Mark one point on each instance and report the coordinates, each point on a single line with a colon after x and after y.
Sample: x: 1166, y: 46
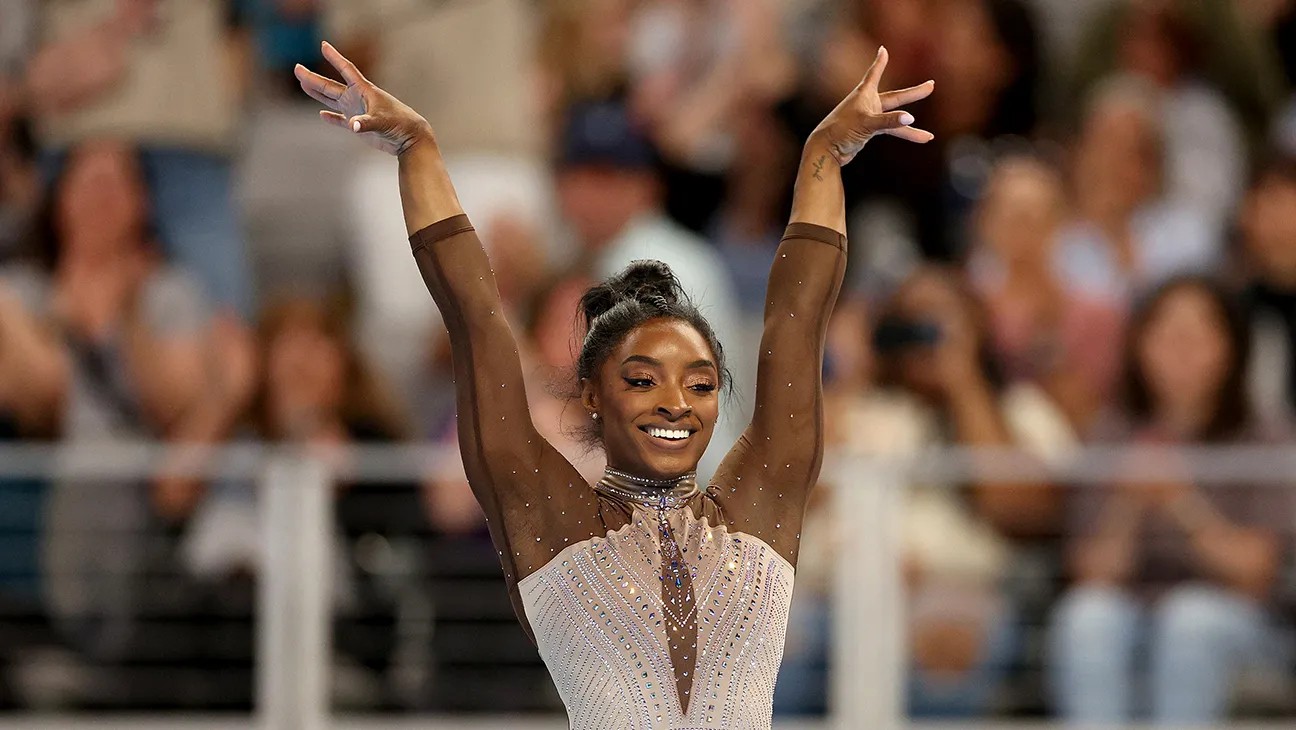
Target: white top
x: 597, y: 612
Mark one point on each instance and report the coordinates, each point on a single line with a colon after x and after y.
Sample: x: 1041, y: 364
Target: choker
x: 655, y: 493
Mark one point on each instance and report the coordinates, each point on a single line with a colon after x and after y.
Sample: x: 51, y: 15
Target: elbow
x: 1258, y: 567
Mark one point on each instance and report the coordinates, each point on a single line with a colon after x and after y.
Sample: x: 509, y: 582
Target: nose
x: 675, y: 406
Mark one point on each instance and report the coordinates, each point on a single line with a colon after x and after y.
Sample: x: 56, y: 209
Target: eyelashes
x: 648, y: 383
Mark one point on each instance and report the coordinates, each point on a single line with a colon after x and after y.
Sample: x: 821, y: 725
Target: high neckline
x: 655, y: 493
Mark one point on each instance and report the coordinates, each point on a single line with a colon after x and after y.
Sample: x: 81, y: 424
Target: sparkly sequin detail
x: 603, y: 623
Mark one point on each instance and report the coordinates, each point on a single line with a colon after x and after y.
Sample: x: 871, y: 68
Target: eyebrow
x: 704, y: 363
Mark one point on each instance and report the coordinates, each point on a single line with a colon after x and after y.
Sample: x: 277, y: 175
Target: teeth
x: 666, y: 433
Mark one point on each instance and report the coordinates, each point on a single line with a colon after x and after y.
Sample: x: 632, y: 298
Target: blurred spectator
x: 749, y: 226
x: 283, y: 33
x: 1043, y: 332
x: 1181, y: 573
x: 939, y: 386
x: 988, y: 67
x: 484, y: 114
x: 1127, y: 233
x: 156, y: 73
x: 610, y: 197
x: 584, y: 54
x: 1268, y: 229
x: 115, y: 345
x: 1205, y: 146
x: 316, y: 391
x: 697, y: 63
x: 1194, y: 45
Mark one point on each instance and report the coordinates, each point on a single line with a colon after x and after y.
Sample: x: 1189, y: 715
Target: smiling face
x: 657, y: 397
x: 1184, y: 351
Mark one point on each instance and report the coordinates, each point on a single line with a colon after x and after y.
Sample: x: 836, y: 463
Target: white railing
x: 868, y: 661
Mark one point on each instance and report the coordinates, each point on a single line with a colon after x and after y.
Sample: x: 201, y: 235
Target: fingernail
x: 355, y: 126
x: 906, y: 119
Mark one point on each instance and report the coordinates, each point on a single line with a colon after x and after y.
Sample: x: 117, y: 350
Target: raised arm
x: 783, y: 446
x: 504, y: 456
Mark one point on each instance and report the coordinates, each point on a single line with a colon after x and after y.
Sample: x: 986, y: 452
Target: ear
x: 589, y: 395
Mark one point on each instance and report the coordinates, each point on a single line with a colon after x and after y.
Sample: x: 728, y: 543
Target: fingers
x: 337, y: 120
x: 873, y: 76
x: 900, y: 97
x: 910, y: 134
x: 344, y: 66
x: 321, y: 89
x: 362, y: 123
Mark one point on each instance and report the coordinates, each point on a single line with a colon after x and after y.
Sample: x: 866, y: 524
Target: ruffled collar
x: 653, y: 493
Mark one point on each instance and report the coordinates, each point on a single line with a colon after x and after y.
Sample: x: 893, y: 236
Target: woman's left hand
x: 866, y: 112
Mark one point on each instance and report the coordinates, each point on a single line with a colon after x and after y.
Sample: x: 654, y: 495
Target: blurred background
x: 1098, y: 251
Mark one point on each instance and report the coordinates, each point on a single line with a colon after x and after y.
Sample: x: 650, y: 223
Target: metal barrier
x: 293, y: 606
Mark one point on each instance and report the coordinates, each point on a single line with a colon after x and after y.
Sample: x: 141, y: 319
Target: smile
x: 667, y: 434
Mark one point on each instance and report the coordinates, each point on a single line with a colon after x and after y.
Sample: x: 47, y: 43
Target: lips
x: 668, y: 438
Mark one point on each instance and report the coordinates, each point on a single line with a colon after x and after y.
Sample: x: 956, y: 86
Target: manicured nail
x: 880, y: 50
x: 355, y: 126
x: 906, y: 119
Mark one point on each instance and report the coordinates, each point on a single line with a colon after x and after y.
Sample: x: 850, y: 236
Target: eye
x: 639, y: 382
x: 703, y: 387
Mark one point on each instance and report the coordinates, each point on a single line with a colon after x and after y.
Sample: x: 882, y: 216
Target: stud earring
x: 594, y: 416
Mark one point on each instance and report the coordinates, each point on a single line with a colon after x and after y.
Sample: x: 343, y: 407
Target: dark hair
x: 1233, y: 406
x: 368, y: 411
x: 44, y: 246
x: 1278, y: 166
x: 643, y: 291
x: 1015, y: 28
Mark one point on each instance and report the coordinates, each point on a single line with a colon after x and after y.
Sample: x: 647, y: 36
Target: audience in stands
x: 1176, y: 581
x: 1085, y: 153
x: 1063, y: 340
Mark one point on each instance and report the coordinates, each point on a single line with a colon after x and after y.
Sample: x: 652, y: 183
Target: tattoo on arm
x: 818, y: 167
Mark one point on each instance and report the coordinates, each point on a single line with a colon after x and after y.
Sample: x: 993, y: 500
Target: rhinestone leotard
x: 613, y: 617
x: 654, y: 606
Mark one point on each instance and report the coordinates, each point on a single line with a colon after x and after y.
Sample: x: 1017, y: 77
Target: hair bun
x: 646, y: 281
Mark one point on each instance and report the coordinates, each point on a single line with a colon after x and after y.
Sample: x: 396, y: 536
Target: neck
x: 1184, y: 420
x: 652, y: 492
x: 660, y: 482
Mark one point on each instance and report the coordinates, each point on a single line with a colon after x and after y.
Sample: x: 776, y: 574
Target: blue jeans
x: 194, y: 217
x: 970, y: 693
x: 802, y: 687
x: 1195, y: 639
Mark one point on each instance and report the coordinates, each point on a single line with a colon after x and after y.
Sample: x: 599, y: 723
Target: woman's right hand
x: 379, y: 118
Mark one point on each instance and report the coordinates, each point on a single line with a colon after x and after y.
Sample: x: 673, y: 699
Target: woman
x: 1185, y: 574
x: 114, y: 344
x: 612, y: 581
x: 1062, y: 340
x: 939, y: 386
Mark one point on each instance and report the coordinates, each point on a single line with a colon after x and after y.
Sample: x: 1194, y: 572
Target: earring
x: 594, y: 416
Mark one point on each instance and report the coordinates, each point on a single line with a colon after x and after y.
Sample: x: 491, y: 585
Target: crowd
x: 1098, y: 248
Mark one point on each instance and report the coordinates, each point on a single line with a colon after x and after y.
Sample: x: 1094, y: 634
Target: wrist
x: 818, y: 144
x: 422, y: 143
